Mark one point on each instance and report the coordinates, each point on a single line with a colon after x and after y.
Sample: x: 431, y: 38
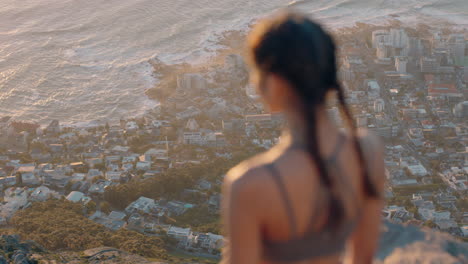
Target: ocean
x: 87, y: 60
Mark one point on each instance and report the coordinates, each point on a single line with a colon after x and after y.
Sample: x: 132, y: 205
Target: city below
x: 157, y: 178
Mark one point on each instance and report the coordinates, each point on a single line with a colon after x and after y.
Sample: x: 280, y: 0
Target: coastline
x: 233, y: 42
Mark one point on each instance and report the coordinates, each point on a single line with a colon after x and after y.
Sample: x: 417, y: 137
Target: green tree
x: 91, y: 207
x: 105, y: 207
x: 430, y: 224
x: 19, y: 179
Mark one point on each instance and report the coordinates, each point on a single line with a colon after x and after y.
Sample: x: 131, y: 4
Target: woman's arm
x: 241, y: 219
x: 365, y: 239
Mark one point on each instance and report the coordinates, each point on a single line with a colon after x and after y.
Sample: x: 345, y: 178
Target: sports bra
x: 313, y: 244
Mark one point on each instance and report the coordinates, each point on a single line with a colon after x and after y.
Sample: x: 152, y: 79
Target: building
x: 400, y: 63
x: 179, y: 233
x: 192, y: 125
x: 354, y: 64
x: 143, y: 165
x: 43, y: 193
x: 383, y: 54
x: 76, y: 197
x: 114, y: 176
x: 415, y: 47
x: 373, y: 88
x: 189, y: 112
x: 195, y: 137
x: 251, y: 92
x: 443, y: 90
x: 53, y: 127
x: 457, y: 47
x: 398, y: 38
x: 461, y: 110
x: 234, y: 125
x: 143, y: 204
x: 397, y: 80
x: 381, y: 36
x: 379, y: 105
x: 191, y: 82
x: 428, y: 65
x: 262, y: 120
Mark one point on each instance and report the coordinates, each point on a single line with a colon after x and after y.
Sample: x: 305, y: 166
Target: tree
x: 430, y: 224
x: 100, y: 166
x: 19, y: 179
x: 105, y: 207
x: 91, y: 207
x: 61, y: 225
x: 68, y: 187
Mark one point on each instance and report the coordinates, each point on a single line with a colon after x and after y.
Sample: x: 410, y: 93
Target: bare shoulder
x: 248, y: 172
x: 247, y: 178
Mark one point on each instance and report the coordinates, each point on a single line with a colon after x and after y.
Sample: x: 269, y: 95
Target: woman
x: 317, y: 194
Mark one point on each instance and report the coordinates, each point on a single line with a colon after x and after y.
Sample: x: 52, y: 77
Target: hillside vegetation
x: 61, y: 225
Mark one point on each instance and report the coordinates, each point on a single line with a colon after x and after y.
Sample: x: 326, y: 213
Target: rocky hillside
x: 14, y: 251
x: 399, y: 244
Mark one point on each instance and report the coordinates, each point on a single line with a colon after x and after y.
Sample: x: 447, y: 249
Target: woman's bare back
x: 302, y: 187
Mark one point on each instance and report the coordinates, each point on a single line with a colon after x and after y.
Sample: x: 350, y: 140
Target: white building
x: 43, y: 193
x: 178, y: 232
x: 379, y: 105
x: 143, y: 204
x: 191, y: 82
x: 114, y: 175
x: 193, y: 138
x: 380, y: 37
x: 464, y: 230
x: 441, y: 215
x: 160, y: 123
x: 143, y: 165
x: 190, y: 112
x: 399, y: 38
x: 400, y: 63
x: 76, y: 197
x: 457, y: 46
x: 157, y: 153
x: 93, y: 173
x: 131, y: 126
x: 428, y: 65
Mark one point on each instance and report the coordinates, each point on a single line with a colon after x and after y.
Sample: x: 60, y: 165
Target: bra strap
x: 284, y: 194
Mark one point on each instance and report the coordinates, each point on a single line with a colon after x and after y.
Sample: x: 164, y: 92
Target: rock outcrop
x: 412, y: 244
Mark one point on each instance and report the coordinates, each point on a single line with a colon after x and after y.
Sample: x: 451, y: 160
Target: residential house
x: 426, y: 210
x: 178, y: 208
x: 179, y: 233
x: 142, y: 204
x: 114, y: 176
x: 55, y: 178
x: 143, y: 165
x: 77, y: 177
x: 93, y: 173
x: 204, y: 185
x: 43, y: 193
x: 76, y: 197
x: 99, y: 186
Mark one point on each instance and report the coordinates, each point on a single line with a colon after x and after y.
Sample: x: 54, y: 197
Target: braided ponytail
x: 369, y: 189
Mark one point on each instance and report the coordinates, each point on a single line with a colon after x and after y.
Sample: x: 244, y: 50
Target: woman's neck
x: 296, y: 131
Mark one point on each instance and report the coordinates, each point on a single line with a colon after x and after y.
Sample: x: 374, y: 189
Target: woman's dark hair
x: 300, y: 51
